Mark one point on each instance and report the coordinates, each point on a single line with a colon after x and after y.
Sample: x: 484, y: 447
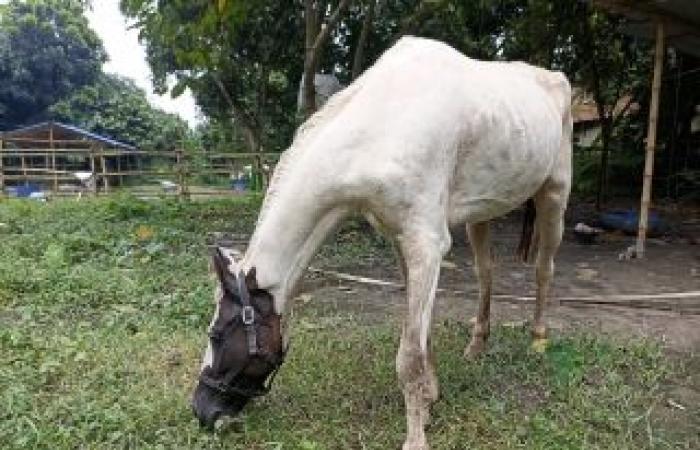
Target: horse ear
x: 251, y: 281
x: 220, y: 265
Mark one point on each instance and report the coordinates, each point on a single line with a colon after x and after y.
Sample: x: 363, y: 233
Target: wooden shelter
x: 53, y: 155
x: 668, y: 22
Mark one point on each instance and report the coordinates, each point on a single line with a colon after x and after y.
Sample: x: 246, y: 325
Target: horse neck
x: 287, y: 236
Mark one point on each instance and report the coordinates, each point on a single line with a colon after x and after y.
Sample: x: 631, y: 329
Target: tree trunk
x: 316, y: 38
x: 250, y: 136
x: 251, y: 131
x: 358, y: 60
x: 605, y: 132
x: 605, y: 135
x: 308, y: 87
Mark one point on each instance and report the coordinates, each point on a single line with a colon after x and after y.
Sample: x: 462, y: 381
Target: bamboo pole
x: 93, y: 177
x: 41, y: 176
x: 185, y: 173
x: 178, y: 171
x: 651, y: 140
x: 181, y: 173
x: 119, y: 170
x: 53, y: 160
x: 105, y: 179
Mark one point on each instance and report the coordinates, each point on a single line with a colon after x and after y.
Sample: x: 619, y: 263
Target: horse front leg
x: 414, y: 362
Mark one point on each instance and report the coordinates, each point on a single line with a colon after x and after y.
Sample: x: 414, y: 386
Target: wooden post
x: 651, y: 140
x: 119, y: 169
x: 178, y: 171
x: 257, y: 173
x: 93, y: 169
x: 265, y: 175
x: 103, y: 161
x: 181, y: 173
x: 53, y: 160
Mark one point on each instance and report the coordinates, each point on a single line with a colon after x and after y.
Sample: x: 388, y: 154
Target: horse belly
x: 494, y: 181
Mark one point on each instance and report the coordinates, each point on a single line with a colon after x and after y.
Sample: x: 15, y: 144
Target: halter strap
x: 247, y: 315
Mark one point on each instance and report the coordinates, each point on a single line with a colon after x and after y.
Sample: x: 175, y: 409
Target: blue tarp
x: 23, y: 191
x: 627, y: 220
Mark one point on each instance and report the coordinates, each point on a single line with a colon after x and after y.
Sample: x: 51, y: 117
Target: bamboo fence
x: 54, y: 165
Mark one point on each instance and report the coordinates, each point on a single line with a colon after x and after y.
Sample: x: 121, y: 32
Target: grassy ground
x: 103, y: 307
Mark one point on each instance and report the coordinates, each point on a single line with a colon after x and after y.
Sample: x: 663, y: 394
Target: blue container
x: 23, y: 191
x: 239, y: 185
x: 627, y: 220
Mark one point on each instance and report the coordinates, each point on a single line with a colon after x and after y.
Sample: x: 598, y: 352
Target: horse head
x: 245, y: 345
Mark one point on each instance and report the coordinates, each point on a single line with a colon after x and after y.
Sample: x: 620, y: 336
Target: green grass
x: 103, y: 307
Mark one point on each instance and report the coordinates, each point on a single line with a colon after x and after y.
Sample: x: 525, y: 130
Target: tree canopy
x: 51, y: 69
x: 244, y: 59
x: 47, y: 50
x: 240, y: 59
x: 114, y: 106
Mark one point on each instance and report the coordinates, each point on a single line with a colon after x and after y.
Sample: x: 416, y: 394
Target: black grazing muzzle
x: 247, y: 350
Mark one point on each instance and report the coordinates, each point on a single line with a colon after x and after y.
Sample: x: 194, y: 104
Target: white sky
x: 127, y: 57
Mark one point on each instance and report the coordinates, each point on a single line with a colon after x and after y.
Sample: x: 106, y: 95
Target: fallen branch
x: 659, y: 302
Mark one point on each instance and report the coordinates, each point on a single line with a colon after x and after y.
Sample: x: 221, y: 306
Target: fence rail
x: 74, y: 169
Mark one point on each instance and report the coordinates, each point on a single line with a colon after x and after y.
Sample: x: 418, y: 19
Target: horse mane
x: 332, y: 107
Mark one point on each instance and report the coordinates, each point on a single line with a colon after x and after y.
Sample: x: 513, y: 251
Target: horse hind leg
x: 550, y: 203
x: 479, y: 240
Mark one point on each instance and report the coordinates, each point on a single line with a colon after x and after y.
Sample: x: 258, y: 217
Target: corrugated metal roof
x: 70, y: 129
x: 681, y: 17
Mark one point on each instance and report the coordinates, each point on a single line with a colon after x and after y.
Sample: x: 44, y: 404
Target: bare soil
x: 670, y: 266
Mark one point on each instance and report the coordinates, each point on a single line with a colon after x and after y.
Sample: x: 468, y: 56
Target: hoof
x: 539, y: 345
x: 475, y: 348
x: 415, y: 445
x: 539, y: 332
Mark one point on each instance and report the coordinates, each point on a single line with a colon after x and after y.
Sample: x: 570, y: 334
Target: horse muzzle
x: 209, y: 405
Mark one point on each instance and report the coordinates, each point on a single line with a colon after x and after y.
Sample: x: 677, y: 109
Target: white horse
x: 425, y: 139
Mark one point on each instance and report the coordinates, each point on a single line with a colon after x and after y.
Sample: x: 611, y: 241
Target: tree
x: 218, y: 137
x: 317, y: 33
x: 359, y: 54
x: 47, y: 51
x: 238, y: 57
x: 477, y: 29
x: 116, y: 107
x: 242, y: 58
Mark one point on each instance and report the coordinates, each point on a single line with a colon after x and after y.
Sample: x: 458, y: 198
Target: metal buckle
x: 248, y: 315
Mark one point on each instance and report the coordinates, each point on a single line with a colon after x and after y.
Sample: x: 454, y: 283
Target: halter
x: 229, y: 385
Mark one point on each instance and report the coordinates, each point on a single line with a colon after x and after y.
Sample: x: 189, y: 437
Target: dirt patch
x: 582, y: 271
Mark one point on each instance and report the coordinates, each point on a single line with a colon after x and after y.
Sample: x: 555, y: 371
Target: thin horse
x: 423, y: 140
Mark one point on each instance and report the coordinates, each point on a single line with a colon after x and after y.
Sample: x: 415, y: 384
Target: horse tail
x: 523, y: 250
